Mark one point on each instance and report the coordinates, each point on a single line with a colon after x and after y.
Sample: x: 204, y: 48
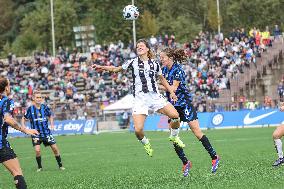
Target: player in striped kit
x: 145, y: 71
x: 7, y: 156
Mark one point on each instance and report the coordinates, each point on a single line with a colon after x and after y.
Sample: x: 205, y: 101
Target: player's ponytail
x: 178, y: 55
x: 3, y: 84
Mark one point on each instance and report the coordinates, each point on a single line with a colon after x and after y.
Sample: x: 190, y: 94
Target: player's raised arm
x: 107, y: 68
x: 13, y: 123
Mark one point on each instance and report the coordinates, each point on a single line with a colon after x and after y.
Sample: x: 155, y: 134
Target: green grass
x: 117, y: 160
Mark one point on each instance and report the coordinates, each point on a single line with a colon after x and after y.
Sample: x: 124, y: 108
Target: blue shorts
x: 47, y: 141
x: 7, y: 153
x: 187, y: 113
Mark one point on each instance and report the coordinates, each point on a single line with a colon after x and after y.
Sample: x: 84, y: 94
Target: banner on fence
x: 245, y: 118
x: 65, y: 127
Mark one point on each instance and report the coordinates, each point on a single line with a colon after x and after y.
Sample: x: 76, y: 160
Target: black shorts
x: 47, y: 141
x: 187, y: 113
x: 6, y: 154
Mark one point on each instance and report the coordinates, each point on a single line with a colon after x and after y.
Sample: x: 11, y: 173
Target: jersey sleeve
x: 159, y: 69
x: 47, y: 111
x: 178, y: 74
x: 8, y: 107
x: 28, y: 114
x: 127, y: 64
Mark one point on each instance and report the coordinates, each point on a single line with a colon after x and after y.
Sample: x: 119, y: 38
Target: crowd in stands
x: 69, y: 78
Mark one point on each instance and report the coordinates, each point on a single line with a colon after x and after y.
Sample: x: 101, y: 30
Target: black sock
x: 20, y: 182
x: 58, y: 159
x: 38, y: 160
x: 180, y: 153
x: 208, y: 147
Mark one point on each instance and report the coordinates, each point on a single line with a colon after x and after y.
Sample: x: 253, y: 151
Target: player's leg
x: 195, y: 128
x: 186, y: 162
x: 56, y: 152
x: 36, y: 143
x: 190, y: 115
x: 170, y: 111
x: 277, y: 135
x: 138, y: 120
x: 174, y: 123
x: 13, y: 166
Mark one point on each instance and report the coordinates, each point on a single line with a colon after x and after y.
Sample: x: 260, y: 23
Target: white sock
x: 144, y: 140
x: 278, y: 146
x: 174, y: 132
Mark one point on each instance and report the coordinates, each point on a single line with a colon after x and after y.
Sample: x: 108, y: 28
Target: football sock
x: 58, y: 159
x: 208, y: 147
x: 174, y: 132
x: 180, y: 153
x: 278, y: 147
x: 20, y: 182
x: 38, y: 160
x: 144, y: 140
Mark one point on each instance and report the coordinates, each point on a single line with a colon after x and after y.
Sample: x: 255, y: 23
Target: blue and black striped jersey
x: 39, y: 119
x: 177, y: 73
x: 6, y: 106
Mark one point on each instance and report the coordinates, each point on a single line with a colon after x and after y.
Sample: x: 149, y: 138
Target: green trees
x: 25, y: 24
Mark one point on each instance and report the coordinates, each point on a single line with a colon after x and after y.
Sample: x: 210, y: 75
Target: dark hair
x: 150, y: 52
x: 178, y: 55
x: 3, y: 84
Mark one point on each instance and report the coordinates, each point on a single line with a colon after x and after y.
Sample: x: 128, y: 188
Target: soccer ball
x: 130, y: 12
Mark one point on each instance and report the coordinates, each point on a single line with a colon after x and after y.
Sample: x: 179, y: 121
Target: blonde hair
x: 36, y: 92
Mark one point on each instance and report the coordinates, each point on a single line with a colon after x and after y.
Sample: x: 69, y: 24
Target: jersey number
x: 186, y: 112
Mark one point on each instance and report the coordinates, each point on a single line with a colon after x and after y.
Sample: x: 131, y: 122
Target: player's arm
x: 107, y: 68
x: 23, y: 121
x: 165, y: 83
x: 51, y: 120
x: 13, y: 123
x: 161, y: 87
x: 175, y: 85
x: 282, y: 106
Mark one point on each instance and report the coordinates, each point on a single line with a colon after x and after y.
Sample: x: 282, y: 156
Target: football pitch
x: 118, y: 160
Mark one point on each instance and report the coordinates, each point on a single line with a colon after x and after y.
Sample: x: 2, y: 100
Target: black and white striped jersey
x: 144, y: 74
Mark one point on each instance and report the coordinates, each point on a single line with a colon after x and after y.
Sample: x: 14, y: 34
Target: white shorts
x: 145, y: 101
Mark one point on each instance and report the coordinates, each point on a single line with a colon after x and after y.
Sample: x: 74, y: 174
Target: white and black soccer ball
x: 130, y: 12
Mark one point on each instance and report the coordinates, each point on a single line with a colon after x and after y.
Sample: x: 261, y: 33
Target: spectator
x: 276, y: 32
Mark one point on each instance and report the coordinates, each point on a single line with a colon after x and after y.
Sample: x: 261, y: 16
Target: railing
x: 238, y: 82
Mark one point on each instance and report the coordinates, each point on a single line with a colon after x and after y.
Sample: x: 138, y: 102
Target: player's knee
x: 20, y: 182
x: 37, y: 152
x: 175, y: 120
x: 276, y: 135
x: 174, y: 115
x: 138, y: 129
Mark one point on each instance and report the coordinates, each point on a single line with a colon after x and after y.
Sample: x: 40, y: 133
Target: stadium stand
x: 218, y: 69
